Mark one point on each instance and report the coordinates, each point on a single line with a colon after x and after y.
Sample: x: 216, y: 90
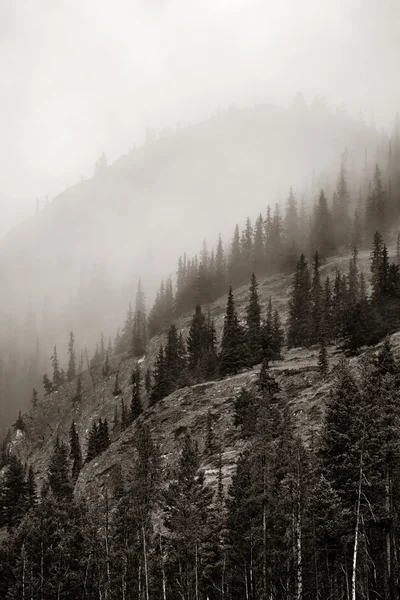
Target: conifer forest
x: 219, y: 424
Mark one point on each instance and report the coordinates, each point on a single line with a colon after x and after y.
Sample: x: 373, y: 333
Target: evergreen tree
x: 300, y: 306
x: 187, y: 504
x: 236, y: 265
x: 174, y: 360
x: 117, y: 390
x: 233, y: 346
x: 220, y: 269
x: 136, y: 408
x: 258, y: 248
x: 139, y: 340
x: 316, y: 302
x: 103, y: 436
x: 19, y: 424
x: 71, y: 373
x: 125, y: 339
x: 15, y: 492
x: 321, y: 234
x: 75, y: 452
x: 58, y: 472
x: 47, y: 384
x: 291, y: 220
x: 197, y: 345
x: 253, y: 320
x: 57, y: 378
x: 92, y: 443
x: 34, y: 398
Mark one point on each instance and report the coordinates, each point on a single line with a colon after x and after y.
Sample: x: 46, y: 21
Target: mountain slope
x: 297, y: 374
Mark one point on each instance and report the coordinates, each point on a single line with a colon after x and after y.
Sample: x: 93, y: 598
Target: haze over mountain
x: 138, y: 214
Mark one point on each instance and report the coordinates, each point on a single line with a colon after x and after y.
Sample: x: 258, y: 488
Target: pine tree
x: 139, y: 339
x: 34, y: 398
x: 197, y: 345
x: 19, y: 424
x: 125, y: 339
x: 316, y: 300
x: 291, y: 220
x: 220, y: 269
x: 92, y: 449
x: 103, y: 436
x: 300, y: 306
x: 71, y: 373
x: 236, y: 265
x: 58, y: 472
x: 253, y: 320
x: 117, y: 390
x: 233, y: 346
x: 57, y: 379
x: 174, y: 360
x: 15, y: 492
x: 75, y: 452
x: 258, y: 248
x: 136, y: 408
x: 321, y: 234
x: 47, y: 384
x: 187, y: 504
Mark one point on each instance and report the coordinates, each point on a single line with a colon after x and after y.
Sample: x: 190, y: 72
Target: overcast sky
x: 79, y: 77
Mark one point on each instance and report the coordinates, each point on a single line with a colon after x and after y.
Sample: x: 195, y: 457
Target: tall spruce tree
x: 139, y: 327
x: 300, y: 306
x: 233, y: 355
x: 71, y: 373
x: 253, y: 321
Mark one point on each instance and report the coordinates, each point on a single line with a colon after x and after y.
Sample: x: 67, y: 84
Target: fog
x: 196, y: 108
x: 82, y: 78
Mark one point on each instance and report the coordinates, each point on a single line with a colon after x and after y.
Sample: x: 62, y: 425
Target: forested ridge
x: 306, y: 514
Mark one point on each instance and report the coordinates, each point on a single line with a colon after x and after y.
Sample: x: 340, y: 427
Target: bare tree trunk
x: 299, y: 552
x: 146, y: 575
x: 124, y: 572
x: 197, y: 574
x: 356, y: 534
x: 164, y: 585
x: 388, y: 575
x: 23, y: 571
x: 246, y: 583
x: 41, y: 570
x: 264, y: 528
